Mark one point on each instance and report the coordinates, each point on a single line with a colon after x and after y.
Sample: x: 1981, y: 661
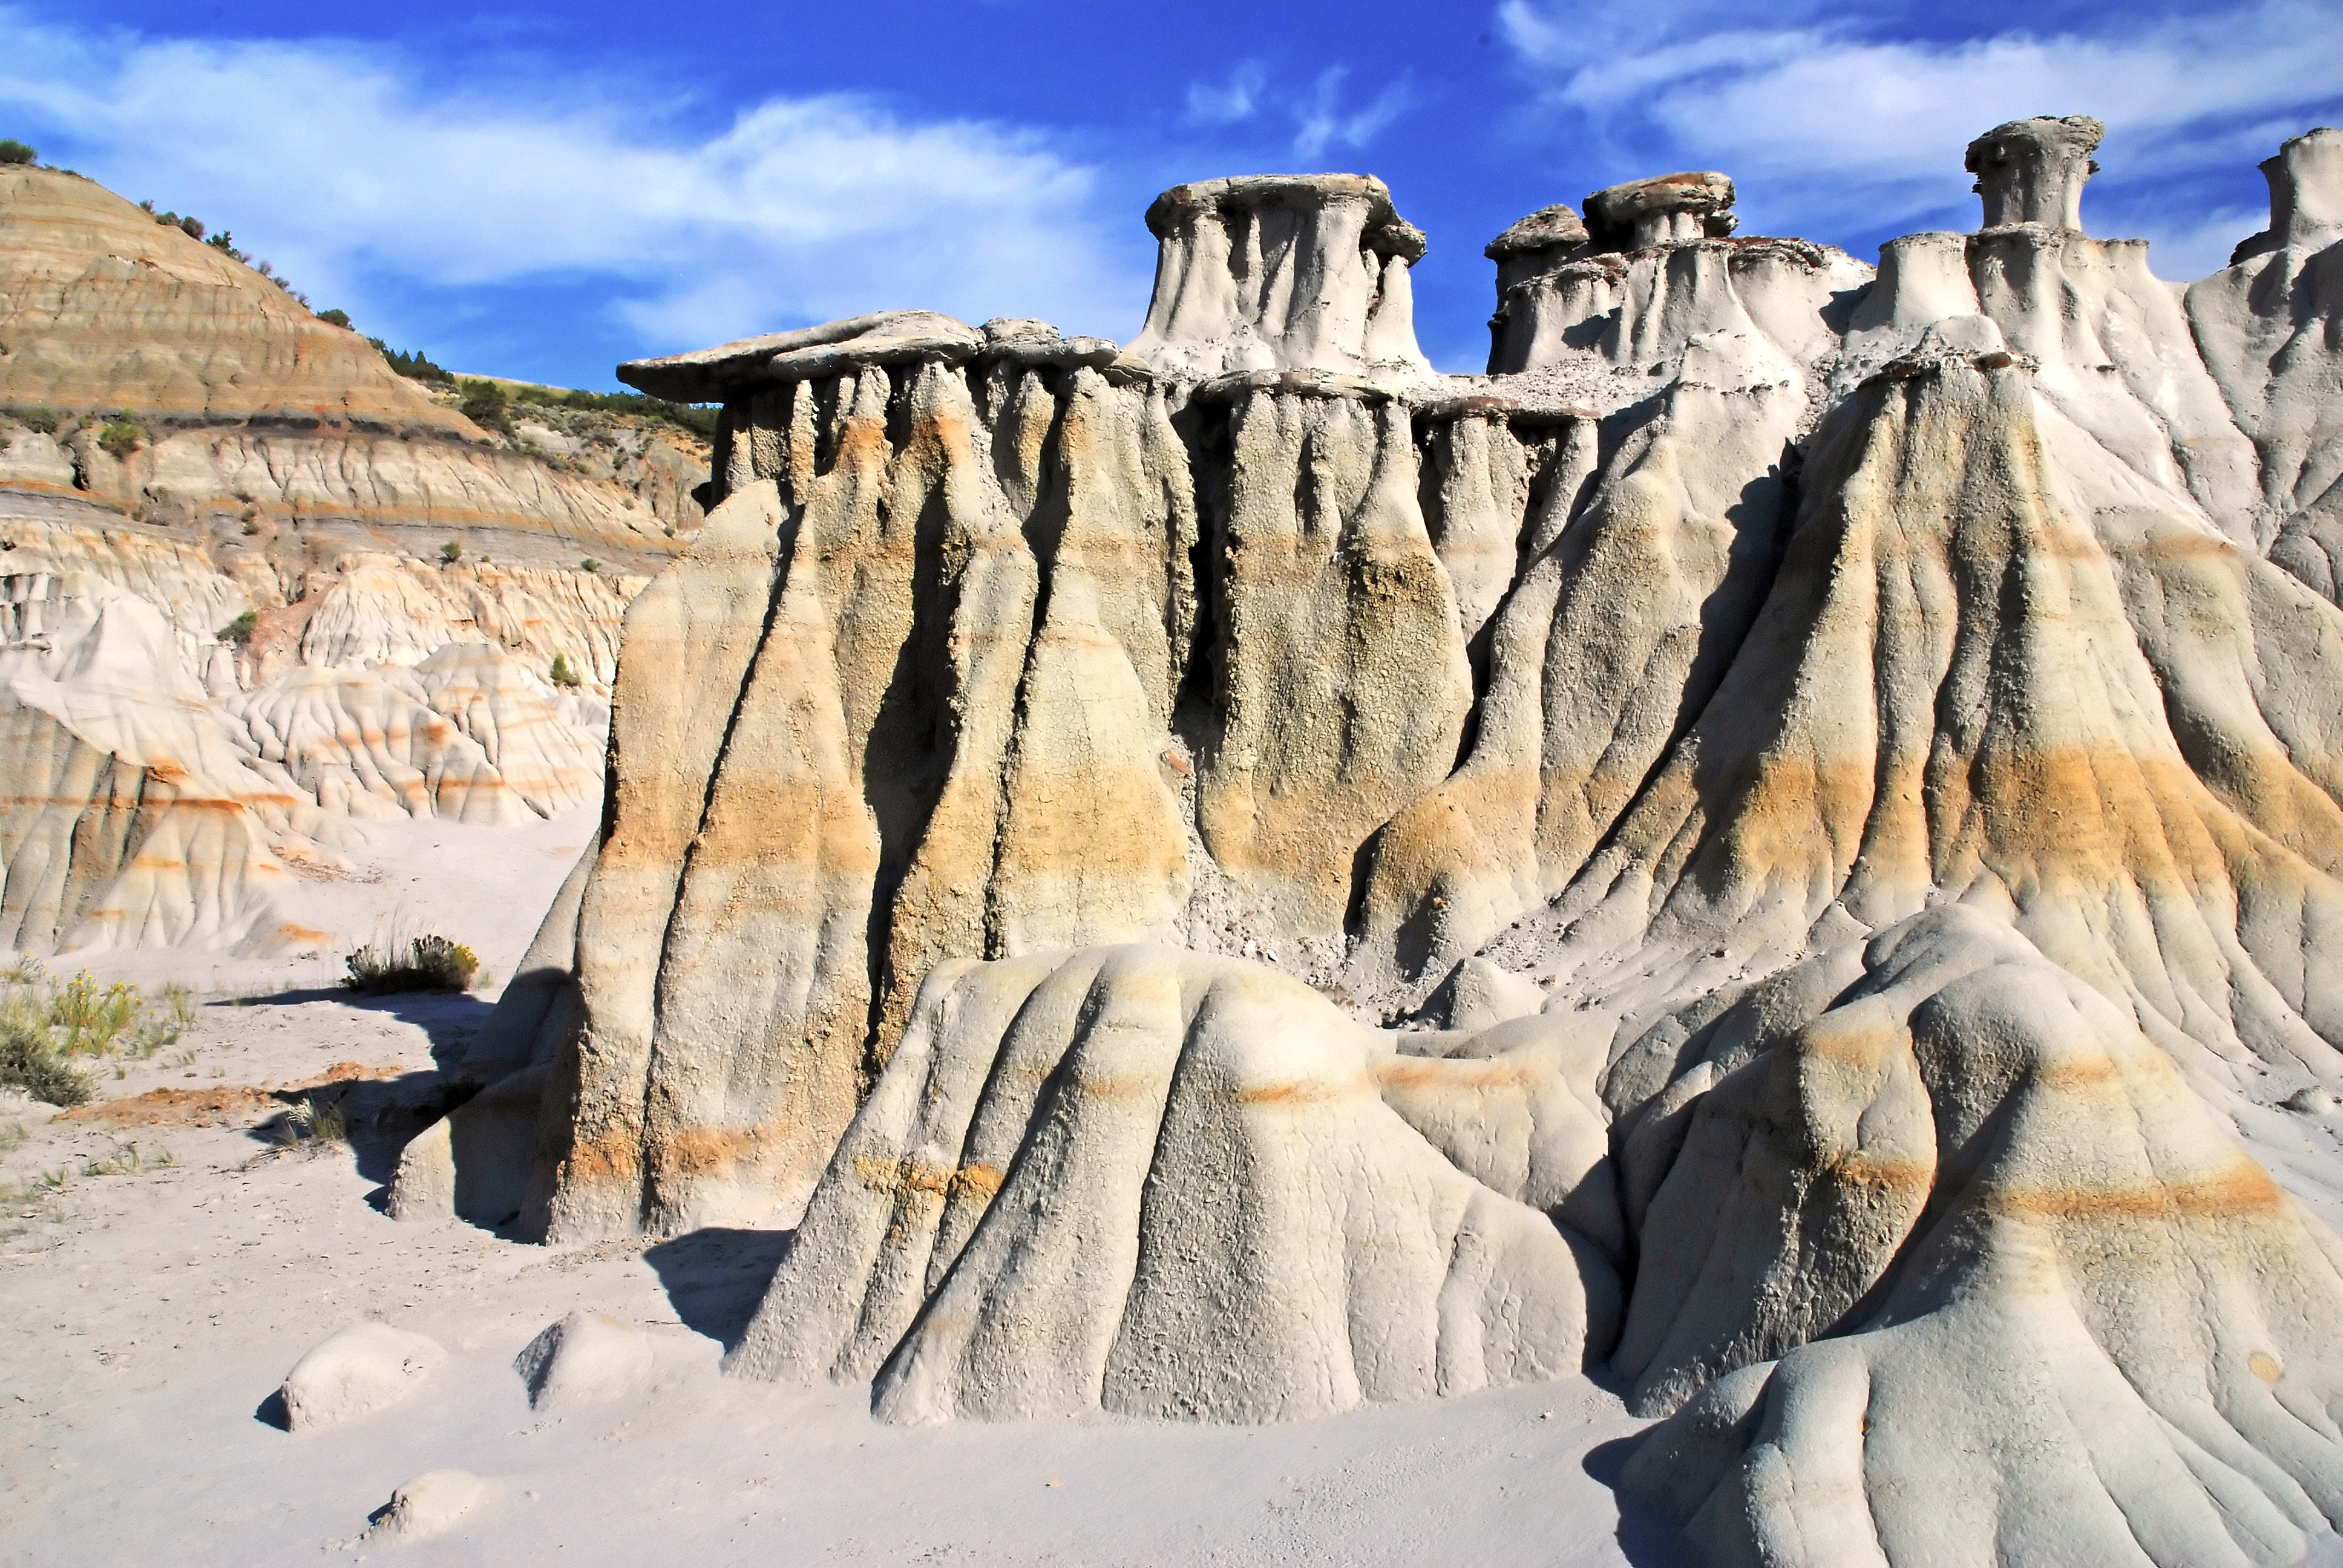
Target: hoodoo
x: 1774, y: 845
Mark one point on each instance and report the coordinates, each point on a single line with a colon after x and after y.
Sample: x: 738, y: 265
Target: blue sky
x: 542, y: 192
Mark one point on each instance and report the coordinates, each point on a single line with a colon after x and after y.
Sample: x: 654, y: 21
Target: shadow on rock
x: 1644, y: 1538
x: 715, y: 1278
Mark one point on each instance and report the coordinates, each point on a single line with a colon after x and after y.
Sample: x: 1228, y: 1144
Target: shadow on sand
x: 715, y: 1278
x: 1645, y: 1539
x: 448, y: 1019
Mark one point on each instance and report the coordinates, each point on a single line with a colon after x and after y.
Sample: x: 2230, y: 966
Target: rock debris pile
x: 1758, y: 846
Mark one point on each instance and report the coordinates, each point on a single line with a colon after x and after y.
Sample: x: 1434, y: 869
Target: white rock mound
x: 1162, y: 1184
x: 586, y: 1359
x: 433, y: 1504
x: 355, y: 1372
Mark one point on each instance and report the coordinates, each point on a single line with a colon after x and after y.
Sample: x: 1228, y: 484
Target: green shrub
x: 312, y: 1126
x: 414, y: 366
x: 590, y: 565
x: 13, y: 151
x: 451, y: 552
x: 29, y: 1062
x: 427, y: 963
x: 45, y: 420
x: 121, y: 438
x: 335, y: 317
x: 44, y: 1026
x: 562, y: 674
x: 239, y: 631
x: 683, y: 415
x: 485, y: 405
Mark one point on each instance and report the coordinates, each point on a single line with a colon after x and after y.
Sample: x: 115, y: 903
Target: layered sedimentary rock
x: 250, y: 405
x: 163, y: 775
x: 1254, y: 1234
x: 1851, y: 760
x: 131, y: 816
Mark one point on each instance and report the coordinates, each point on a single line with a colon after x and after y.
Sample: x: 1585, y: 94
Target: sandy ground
x: 485, y: 887
x: 153, y: 1298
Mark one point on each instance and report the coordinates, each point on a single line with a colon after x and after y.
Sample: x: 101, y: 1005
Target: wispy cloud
x: 355, y: 169
x: 1828, y: 118
x: 1226, y: 103
x: 1325, y: 122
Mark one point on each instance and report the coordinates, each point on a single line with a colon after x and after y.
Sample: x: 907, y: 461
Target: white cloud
x: 1324, y: 121
x: 1825, y: 121
x: 1226, y: 103
x: 347, y: 164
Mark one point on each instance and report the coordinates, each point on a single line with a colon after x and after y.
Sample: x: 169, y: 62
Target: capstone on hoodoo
x: 1228, y: 891
x: 1282, y: 272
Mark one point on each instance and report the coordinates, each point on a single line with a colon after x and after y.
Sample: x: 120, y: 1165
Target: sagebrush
x: 45, y: 1026
x: 426, y: 963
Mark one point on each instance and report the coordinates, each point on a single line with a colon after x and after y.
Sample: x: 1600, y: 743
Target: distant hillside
x: 148, y: 371
x: 260, y: 590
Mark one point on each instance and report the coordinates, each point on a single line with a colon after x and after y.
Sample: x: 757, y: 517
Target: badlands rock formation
x: 1849, y: 758
x: 226, y: 644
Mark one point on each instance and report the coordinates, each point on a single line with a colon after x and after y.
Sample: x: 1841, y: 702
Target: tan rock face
x: 105, y: 308
x: 253, y: 407
x: 1832, y: 746
x: 1281, y: 272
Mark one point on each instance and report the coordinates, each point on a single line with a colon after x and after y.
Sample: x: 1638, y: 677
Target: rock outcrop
x: 2270, y: 326
x: 157, y: 788
x: 1850, y: 758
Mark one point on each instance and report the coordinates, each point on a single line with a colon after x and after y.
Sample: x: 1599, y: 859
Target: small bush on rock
x: 13, y: 151
x: 335, y: 317
x: 427, y: 963
x: 451, y: 552
x: 562, y: 673
x: 485, y: 406
x: 121, y: 438
x: 45, y: 420
x: 239, y: 631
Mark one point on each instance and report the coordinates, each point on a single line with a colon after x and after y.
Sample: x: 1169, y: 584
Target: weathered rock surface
x: 2270, y: 326
x: 433, y: 1504
x: 354, y: 1373
x: 587, y: 1359
x: 1281, y: 272
x: 282, y: 510
x: 1147, y: 1181
x: 1851, y: 758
